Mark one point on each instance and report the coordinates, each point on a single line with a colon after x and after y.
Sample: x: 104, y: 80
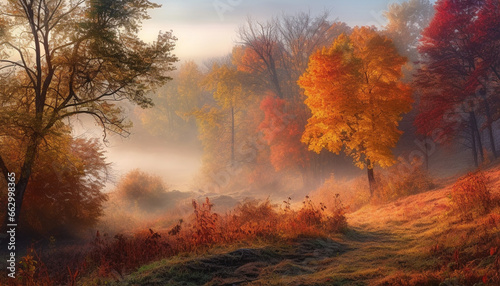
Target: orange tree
x: 356, y: 99
x: 64, y: 194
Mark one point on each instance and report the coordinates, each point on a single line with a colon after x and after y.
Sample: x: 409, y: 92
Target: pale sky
x: 208, y: 28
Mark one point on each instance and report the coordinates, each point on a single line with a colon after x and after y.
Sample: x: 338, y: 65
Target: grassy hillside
x: 418, y: 240
x: 446, y: 236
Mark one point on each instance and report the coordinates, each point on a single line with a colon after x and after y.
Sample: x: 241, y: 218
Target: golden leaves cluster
x: 356, y: 97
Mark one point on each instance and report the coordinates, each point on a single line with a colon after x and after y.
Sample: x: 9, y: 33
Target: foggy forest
x: 249, y: 143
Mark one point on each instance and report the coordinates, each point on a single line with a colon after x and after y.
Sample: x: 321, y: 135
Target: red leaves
x: 459, y: 51
x: 493, y: 251
x: 282, y: 131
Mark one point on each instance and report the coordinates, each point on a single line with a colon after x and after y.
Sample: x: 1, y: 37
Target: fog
x: 178, y: 164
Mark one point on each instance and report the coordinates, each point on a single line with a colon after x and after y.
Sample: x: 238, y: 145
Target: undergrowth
x: 401, y: 181
x: 469, y: 249
x: 471, y: 196
x: 112, y: 257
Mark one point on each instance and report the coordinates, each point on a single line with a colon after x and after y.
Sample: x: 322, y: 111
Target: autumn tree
x: 276, y: 52
x: 173, y: 104
x: 283, y: 134
x: 486, y: 79
x: 356, y: 98
x: 227, y: 85
x: 405, y: 23
x: 64, y: 195
x: 452, y: 100
x: 60, y: 59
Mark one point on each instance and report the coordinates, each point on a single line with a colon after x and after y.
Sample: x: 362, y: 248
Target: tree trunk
x: 489, y: 124
x: 478, y: 135
x: 371, y: 178
x: 274, y: 77
x: 20, y: 191
x: 473, y: 137
x: 22, y: 182
x: 232, y: 136
x: 492, y: 141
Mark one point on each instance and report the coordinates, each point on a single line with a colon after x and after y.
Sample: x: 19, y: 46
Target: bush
x: 401, y: 181
x: 312, y: 219
x: 205, y: 223
x: 64, y: 195
x: 355, y: 193
x: 255, y: 218
x: 309, y: 214
x: 142, y: 191
x: 337, y: 221
x: 471, y: 195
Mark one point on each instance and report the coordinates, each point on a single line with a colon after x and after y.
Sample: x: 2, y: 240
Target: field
x: 421, y: 239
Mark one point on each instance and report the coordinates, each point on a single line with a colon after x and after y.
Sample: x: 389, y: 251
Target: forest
x: 329, y: 153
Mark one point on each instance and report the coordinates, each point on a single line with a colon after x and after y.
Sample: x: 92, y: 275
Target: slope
x: 417, y: 240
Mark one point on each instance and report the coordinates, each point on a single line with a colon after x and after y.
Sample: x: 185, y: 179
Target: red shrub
x: 471, y: 195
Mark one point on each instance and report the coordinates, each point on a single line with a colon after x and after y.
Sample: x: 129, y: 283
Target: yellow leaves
x: 356, y: 98
x: 188, y: 81
x: 226, y: 83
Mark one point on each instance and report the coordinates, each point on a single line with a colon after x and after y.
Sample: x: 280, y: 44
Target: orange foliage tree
x: 356, y: 98
x: 64, y: 194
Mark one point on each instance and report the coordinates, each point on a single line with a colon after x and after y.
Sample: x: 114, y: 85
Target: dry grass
x: 111, y: 257
x: 425, y: 238
x: 415, y: 240
x: 401, y: 181
x: 471, y: 195
x: 354, y: 193
x: 392, y: 184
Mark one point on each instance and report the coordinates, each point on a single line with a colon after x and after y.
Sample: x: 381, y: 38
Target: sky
x: 208, y: 28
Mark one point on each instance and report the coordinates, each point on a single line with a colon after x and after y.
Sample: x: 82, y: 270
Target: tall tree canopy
x: 459, y: 59
x: 61, y: 58
x: 356, y: 98
x: 276, y: 53
x: 406, y: 21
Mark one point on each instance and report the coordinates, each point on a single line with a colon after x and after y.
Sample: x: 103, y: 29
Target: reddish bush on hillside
x: 471, y: 195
